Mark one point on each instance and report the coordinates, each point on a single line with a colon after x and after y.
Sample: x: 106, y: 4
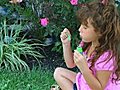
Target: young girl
x: 99, y: 64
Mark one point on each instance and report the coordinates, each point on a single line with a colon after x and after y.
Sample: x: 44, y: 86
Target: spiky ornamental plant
x: 12, y: 47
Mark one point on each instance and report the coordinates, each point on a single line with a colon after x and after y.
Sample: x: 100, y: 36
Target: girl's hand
x: 65, y: 36
x: 80, y: 61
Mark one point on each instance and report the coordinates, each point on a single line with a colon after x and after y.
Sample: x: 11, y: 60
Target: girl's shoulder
x: 107, y: 55
x: 106, y: 61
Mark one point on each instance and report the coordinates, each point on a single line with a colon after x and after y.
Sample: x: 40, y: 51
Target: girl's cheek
x: 87, y: 33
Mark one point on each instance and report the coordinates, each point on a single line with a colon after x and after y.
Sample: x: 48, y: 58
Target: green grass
x: 36, y: 79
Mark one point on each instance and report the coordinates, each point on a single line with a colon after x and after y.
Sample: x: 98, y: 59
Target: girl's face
x: 87, y: 33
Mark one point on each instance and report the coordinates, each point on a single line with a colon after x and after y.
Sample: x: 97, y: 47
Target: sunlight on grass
x: 36, y: 79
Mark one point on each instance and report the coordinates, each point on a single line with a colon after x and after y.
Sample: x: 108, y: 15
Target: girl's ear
x: 99, y: 34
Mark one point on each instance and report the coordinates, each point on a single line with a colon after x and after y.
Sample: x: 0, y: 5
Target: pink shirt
x: 100, y: 64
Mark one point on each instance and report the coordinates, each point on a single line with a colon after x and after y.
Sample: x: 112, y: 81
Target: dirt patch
x: 50, y: 61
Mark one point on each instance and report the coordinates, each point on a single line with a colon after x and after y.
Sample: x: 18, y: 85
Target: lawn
x: 36, y: 79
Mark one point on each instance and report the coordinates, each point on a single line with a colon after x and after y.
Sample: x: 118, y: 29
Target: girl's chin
x: 85, y: 40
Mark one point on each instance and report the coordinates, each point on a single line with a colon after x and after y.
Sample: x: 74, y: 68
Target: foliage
x: 36, y: 79
x: 12, y: 46
x: 60, y: 13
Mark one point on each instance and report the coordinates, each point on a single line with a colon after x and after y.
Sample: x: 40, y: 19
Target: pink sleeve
x: 105, y: 63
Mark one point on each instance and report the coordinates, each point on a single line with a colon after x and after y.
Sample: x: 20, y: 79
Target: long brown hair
x: 106, y: 20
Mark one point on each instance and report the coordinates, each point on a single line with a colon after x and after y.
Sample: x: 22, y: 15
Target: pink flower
x: 44, y: 22
x: 74, y: 2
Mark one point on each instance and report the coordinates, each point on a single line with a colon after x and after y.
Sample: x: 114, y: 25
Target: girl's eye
x: 84, y: 27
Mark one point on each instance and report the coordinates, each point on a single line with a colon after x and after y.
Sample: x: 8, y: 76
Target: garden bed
x: 50, y: 61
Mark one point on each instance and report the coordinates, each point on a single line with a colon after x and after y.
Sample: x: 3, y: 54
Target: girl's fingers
x: 76, y: 56
x: 77, y: 53
x: 63, y: 36
x: 79, y: 56
x: 66, y: 31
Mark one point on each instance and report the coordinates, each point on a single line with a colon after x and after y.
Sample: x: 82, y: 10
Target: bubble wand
x: 68, y: 36
x: 79, y: 48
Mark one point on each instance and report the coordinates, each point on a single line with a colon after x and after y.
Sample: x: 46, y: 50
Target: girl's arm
x: 67, y: 51
x: 99, y: 82
x: 68, y: 55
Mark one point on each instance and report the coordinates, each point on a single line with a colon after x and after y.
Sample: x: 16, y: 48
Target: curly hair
x: 106, y: 20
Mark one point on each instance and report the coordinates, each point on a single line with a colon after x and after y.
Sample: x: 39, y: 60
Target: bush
x: 12, y: 46
x: 60, y: 14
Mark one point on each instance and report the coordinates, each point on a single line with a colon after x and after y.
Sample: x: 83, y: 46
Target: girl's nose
x: 80, y: 29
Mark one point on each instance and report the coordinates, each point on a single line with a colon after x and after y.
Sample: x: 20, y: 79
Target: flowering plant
x: 74, y: 2
x: 61, y: 14
x: 44, y: 22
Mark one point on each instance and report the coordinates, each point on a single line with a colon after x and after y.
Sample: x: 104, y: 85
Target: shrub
x: 61, y: 14
x: 12, y: 46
